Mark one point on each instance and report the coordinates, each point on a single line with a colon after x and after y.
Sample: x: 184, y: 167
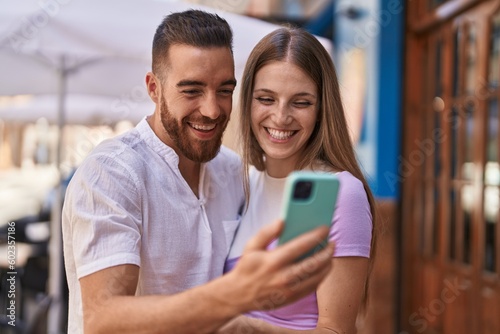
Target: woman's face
x: 284, y: 112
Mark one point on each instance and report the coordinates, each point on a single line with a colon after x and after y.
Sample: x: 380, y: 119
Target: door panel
x: 452, y: 202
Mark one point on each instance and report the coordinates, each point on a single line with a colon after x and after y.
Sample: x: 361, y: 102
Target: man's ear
x: 153, y: 87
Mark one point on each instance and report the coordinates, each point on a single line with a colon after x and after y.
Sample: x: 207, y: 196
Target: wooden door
x: 450, y: 163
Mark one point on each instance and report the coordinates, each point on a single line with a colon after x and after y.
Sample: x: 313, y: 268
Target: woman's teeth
x: 280, y: 135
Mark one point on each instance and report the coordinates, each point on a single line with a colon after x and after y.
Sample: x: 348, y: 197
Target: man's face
x: 196, y: 100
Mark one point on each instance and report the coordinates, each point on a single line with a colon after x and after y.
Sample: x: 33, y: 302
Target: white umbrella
x: 79, y: 108
x: 100, y: 49
x: 84, y: 61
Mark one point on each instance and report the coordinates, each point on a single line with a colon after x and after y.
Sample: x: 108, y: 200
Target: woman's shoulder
x: 352, y: 191
x: 347, y: 178
x: 344, y: 176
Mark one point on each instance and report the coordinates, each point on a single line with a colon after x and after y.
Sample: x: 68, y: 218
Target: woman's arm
x: 341, y: 293
x: 339, y: 298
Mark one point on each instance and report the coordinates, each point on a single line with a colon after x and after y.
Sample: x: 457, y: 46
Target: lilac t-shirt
x: 351, y: 231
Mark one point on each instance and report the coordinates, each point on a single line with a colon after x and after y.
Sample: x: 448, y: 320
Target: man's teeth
x: 202, y: 127
x: 280, y: 135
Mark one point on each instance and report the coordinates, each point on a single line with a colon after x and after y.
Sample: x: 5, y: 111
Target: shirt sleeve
x: 351, y: 229
x: 103, y: 210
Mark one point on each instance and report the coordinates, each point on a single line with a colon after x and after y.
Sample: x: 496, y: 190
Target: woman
x: 293, y: 119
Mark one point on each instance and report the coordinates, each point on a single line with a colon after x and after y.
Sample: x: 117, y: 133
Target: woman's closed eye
x: 303, y: 104
x: 265, y: 100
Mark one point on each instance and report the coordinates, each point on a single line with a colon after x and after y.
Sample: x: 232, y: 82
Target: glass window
x: 454, y: 140
x: 421, y: 229
x: 438, y: 89
x: 491, y: 176
x: 469, y: 131
x: 491, y: 207
x: 494, y: 70
x: 491, y: 204
x: 437, y: 146
x: 436, y: 220
x: 467, y: 201
x: 467, y: 142
x: 438, y: 107
x: 471, y: 60
x: 456, y: 62
x: 452, y: 225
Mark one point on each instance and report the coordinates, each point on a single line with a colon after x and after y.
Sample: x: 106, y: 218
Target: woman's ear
x: 153, y: 87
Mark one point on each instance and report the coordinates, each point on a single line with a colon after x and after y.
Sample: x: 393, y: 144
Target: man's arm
x: 262, y: 279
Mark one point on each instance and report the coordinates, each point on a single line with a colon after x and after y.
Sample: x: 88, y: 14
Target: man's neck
x: 190, y: 171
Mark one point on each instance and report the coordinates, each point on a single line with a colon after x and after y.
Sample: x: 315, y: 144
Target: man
x: 149, y: 216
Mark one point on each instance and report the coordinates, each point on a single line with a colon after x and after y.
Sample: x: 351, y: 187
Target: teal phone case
x: 304, y: 214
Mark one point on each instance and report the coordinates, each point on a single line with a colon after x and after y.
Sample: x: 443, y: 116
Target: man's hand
x: 269, y: 279
x: 261, y: 280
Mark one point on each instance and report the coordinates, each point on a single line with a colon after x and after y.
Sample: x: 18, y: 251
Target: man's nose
x: 210, y: 107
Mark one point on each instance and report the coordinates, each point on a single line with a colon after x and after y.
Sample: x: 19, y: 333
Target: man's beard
x: 194, y: 149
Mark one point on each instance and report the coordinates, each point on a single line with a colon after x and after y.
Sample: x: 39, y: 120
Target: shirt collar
x: 166, y: 152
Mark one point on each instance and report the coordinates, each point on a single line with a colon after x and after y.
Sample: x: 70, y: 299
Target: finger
x: 265, y: 236
x: 319, y: 263
x: 294, y: 289
x: 300, y: 245
x: 324, y: 255
x: 300, y: 287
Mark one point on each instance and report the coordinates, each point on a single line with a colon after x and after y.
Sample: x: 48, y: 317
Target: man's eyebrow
x: 231, y: 82
x: 184, y: 83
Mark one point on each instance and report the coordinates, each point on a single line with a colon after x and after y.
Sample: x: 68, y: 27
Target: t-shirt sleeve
x: 351, y: 229
x: 102, y: 216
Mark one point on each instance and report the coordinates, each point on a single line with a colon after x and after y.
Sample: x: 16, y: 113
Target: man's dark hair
x: 193, y: 27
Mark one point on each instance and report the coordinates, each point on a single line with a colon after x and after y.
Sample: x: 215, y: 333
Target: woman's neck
x: 279, y: 169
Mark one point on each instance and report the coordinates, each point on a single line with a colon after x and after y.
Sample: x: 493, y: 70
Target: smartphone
x: 308, y: 202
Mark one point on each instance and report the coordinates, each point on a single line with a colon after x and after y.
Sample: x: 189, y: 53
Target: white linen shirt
x: 129, y: 204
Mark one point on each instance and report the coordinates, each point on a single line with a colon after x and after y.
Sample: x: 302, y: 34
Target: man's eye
x: 226, y: 91
x: 191, y: 92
